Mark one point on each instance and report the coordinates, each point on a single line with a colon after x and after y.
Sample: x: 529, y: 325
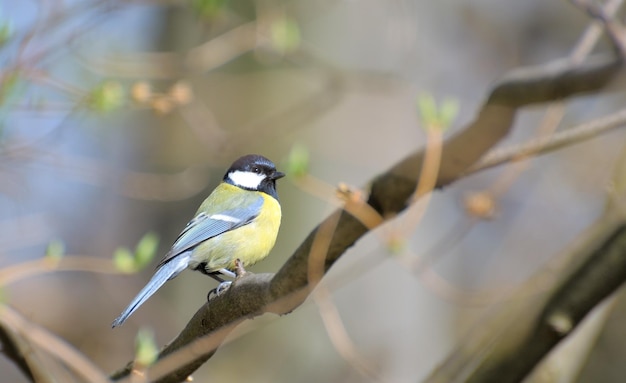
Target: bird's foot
x: 222, y: 288
x: 219, y: 290
x: 239, y: 269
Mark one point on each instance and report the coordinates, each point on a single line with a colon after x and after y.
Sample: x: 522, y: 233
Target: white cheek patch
x: 248, y: 180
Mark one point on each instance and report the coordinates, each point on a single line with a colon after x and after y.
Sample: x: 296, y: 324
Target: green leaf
x: 396, y: 245
x: 146, y: 249
x: 6, y: 30
x: 55, y: 249
x: 209, y: 8
x: 427, y: 108
x: 298, y: 161
x: 124, y: 260
x: 106, y: 97
x: 146, y: 351
x: 285, y: 34
x: 448, y: 111
x: 8, y: 86
x: 433, y: 116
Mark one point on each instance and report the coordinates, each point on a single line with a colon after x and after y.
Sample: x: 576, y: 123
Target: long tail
x: 164, y: 273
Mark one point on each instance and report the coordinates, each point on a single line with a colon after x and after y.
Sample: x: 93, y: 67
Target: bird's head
x: 254, y: 172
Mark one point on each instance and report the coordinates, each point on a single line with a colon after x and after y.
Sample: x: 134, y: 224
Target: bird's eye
x: 256, y: 169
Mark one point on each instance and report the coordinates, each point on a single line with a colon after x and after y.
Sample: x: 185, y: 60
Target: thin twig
x: 339, y: 336
x: 12, y: 274
x: 605, y: 16
x: 540, y: 146
x: 49, y: 342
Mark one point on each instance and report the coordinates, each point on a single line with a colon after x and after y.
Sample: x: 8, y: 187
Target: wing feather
x: 205, y: 226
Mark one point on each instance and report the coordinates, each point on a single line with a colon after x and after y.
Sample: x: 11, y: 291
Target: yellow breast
x: 250, y: 243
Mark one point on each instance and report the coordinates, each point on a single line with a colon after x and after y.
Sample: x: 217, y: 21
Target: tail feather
x: 164, y: 273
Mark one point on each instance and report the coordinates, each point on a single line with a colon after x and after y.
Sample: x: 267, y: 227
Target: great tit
x: 236, y: 225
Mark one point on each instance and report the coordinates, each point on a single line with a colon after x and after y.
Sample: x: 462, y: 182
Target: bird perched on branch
x: 235, y: 226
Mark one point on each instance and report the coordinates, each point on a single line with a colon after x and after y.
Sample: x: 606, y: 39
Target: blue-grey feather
x: 204, y: 227
x: 162, y: 275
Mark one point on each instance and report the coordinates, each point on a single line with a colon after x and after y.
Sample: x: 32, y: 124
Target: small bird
x: 235, y: 226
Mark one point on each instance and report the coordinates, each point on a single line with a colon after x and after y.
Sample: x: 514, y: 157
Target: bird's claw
x: 239, y: 269
x: 222, y: 288
x: 219, y: 290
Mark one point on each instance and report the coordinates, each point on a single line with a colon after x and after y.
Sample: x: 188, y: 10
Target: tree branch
x: 14, y: 348
x: 287, y: 289
x: 602, y: 272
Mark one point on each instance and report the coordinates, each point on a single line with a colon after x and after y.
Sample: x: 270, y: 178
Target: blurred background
x: 117, y: 119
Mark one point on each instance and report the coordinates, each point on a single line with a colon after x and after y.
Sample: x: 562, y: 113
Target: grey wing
x: 205, y: 226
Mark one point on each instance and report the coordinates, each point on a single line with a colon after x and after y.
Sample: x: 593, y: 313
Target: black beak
x: 276, y: 175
